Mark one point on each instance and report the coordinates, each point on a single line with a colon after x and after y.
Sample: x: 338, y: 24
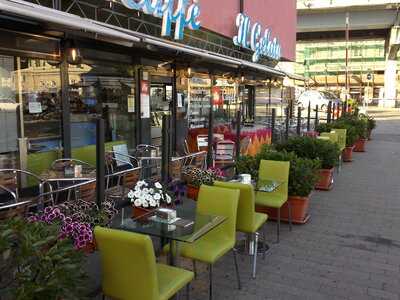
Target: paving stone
x: 350, y: 249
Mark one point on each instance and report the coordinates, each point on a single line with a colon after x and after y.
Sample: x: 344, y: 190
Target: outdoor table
x: 67, y: 182
x: 187, y: 228
x: 59, y: 175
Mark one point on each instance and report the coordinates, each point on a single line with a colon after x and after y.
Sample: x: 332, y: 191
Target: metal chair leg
x: 237, y: 269
x: 278, y: 225
x: 194, y: 268
x: 264, y: 241
x: 255, y: 255
x: 188, y: 291
x: 290, y: 215
x: 210, y: 292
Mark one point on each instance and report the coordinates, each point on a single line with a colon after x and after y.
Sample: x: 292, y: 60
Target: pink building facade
x: 280, y: 16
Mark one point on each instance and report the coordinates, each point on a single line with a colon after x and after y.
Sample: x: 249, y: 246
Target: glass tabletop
x: 267, y: 185
x: 187, y: 227
x: 59, y: 175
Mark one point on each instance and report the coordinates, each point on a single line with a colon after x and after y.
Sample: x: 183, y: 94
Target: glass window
x: 102, y: 89
x: 34, y: 86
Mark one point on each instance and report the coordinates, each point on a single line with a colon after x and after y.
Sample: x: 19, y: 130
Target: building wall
x: 280, y: 16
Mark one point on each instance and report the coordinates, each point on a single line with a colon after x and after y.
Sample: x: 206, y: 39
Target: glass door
x: 160, y: 105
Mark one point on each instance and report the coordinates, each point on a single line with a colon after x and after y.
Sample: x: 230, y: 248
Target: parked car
x: 320, y: 98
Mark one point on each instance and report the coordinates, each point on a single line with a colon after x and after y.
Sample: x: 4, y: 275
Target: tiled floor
x: 350, y: 249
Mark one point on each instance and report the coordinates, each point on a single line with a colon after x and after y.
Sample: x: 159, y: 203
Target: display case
x: 199, y: 102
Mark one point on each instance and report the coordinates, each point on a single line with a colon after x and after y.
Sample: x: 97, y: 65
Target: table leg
x: 173, y: 253
x: 247, y: 246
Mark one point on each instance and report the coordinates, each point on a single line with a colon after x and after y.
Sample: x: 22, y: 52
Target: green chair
x: 248, y: 220
x: 341, y: 133
x: 220, y: 240
x: 278, y: 171
x: 130, y: 271
x: 332, y: 136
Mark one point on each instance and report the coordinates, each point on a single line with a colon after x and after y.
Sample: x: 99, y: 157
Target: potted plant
x: 328, y: 153
x: 39, y: 263
x: 146, y: 196
x: 371, y: 125
x: 303, y: 176
x: 195, y: 177
x: 361, y: 124
x: 323, y: 150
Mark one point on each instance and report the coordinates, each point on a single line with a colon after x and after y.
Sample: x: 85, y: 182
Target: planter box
x: 325, y: 182
x: 347, y: 154
x: 300, y: 206
x: 192, y: 192
x: 360, y: 145
x: 138, y: 212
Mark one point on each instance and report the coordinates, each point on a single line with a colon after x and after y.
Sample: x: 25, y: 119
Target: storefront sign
x: 251, y: 37
x: 180, y: 13
x: 35, y: 107
x: 144, y: 99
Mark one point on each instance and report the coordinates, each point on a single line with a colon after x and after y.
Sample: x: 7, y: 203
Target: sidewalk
x: 350, y: 249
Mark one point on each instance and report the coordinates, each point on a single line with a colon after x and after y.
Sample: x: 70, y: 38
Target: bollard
x: 273, y: 117
x: 329, y: 113
x: 100, y: 164
x: 287, y: 123
x: 165, y: 155
x: 309, y: 116
x: 298, y: 130
x: 238, y: 119
x: 316, y: 117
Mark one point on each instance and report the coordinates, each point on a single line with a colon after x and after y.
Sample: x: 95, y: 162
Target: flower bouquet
x: 148, y: 195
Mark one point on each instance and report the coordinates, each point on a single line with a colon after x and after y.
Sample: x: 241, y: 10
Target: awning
x: 296, y: 77
x: 42, y: 13
x: 71, y: 21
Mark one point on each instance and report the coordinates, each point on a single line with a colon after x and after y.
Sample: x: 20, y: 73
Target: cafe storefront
x: 64, y: 64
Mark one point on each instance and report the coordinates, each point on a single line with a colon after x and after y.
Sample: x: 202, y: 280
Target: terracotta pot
x: 192, y: 192
x: 347, y: 154
x: 138, y: 212
x: 299, y: 205
x: 90, y: 247
x: 360, y: 145
x: 326, y: 179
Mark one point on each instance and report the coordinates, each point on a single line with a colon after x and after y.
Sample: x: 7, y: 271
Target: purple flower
x: 33, y: 219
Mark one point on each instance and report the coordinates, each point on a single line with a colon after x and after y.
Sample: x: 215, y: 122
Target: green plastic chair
x: 130, y: 271
x: 332, y: 136
x: 341, y: 133
x: 278, y: 171
x: 248, y: 220
x: 212, y: 246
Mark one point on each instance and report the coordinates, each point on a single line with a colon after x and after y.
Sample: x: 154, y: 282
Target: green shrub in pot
x: 247, y: 165
x: 307, y: 147
x: 324, y: 127
x: 303, y: 174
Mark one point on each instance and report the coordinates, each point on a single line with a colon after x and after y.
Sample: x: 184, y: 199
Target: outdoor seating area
x: 165, y: 210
